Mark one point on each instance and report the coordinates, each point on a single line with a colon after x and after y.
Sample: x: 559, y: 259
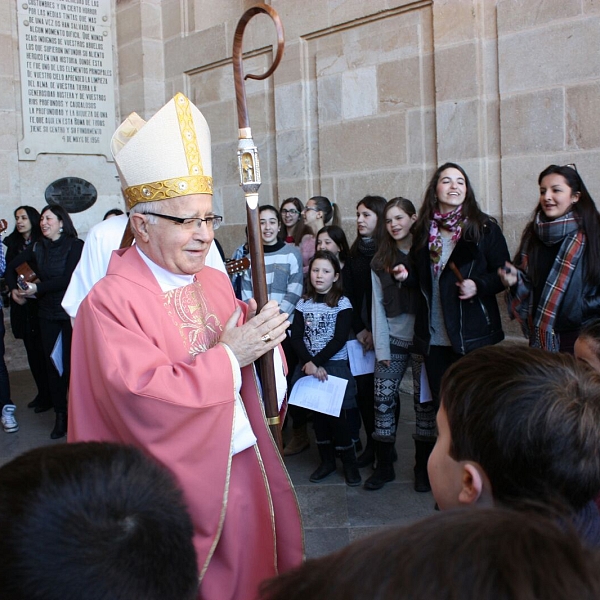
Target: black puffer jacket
x: 23, y: 317
x: 54, y: 263
x: 470, y: 323
x: 358, y: 288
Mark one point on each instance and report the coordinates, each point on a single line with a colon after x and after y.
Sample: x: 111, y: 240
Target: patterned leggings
x: 387, y: 384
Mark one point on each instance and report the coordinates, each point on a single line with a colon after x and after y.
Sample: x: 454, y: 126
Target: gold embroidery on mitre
x: 188, y: 135
x: 168, y: 188
x: 199, y: 327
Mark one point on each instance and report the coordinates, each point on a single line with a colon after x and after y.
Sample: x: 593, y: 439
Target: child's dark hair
x: 484, y: 554
x: 531, y: 419
x: 591, y: 332
x: 338, y: 236
x: 336, y: 292
x: 589, y: 220
x: 113, y: 212
x: 330, y: 210
x: 264, y: 207
x: 375, y: 204
x: 300, y: 229
x: 386, y: 257
x: 93, y: 520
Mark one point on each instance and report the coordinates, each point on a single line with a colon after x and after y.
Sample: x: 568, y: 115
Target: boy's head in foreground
x: 587, y: 345
x: 487, y: 554
x: 93, y: 521
x: 517, y: 425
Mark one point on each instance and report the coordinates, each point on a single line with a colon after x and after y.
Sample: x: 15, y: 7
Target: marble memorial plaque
x: 67, y: 77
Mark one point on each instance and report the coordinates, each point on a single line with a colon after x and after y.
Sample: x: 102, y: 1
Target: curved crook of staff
x: 250, y: 181
x: 238, y: 69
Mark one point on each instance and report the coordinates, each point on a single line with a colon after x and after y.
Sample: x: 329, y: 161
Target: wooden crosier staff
x: 250, y: 182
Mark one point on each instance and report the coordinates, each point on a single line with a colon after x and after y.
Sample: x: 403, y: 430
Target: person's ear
x: 576, y: 197
x: 337, y: 276
x: 139, y: 227
x: 474, y: 482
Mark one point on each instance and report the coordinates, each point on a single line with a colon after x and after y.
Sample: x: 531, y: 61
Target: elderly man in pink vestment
x: 163, y: 359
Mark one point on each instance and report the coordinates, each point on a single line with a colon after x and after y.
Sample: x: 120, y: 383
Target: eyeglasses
x: 291, y: 211
x: 212, y: 223
x: 572, y: 166
x: 307, y: 208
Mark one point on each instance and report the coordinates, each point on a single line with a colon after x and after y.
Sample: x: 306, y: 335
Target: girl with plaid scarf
x: 553, y: 285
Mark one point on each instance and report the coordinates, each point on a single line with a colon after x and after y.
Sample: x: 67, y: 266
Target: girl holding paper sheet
x: 357, y: 286
x: 320, y: 329
x: 393, y: 318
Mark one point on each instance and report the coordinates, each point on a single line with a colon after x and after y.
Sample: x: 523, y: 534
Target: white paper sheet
x: 425, y: 395
x: 323, y: 396
x: 57, y: 354
x: 360, y: 363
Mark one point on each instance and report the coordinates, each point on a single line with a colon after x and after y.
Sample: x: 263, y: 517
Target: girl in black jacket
x: 24, y: 320
x: 53, y: 258
x: 356, y: 277
x: 554, y: 282
x: 456, y: 254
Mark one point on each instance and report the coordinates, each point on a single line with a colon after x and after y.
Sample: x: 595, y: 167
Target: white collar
x: 166, y: 280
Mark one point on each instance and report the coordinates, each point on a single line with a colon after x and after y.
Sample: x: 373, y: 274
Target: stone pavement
x: 333, y: 513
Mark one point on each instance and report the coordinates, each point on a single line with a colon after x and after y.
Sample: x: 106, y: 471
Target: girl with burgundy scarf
x: 457, y: 251
x: 553, y: 285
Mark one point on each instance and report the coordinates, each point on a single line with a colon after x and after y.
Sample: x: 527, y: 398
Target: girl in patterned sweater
x: 322, y: 321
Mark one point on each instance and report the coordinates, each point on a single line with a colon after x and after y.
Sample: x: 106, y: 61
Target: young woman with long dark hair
x: 24, y: 317
x: 457, y: 251
x: 358, y: 288
x: 393, y: 319
x: 53, y: 258
x: 555, y: 277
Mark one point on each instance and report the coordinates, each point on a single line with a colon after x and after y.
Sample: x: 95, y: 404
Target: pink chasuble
x: 147, y: 370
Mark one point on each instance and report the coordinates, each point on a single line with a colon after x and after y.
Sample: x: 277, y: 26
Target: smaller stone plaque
x: 72, y: 193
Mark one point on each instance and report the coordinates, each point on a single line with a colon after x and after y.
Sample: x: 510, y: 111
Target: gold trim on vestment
x: 200, y: 328
x: 219, y: 531
x: 263, y: 469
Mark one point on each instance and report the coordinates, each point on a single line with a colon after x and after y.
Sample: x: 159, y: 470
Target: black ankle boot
x: 327, y: 466
x: 60, y: 426
x: 422, y: 451
x: 367, y: 458
x: 384, y: 471
x: 34, y: 402
x: 351, y: 472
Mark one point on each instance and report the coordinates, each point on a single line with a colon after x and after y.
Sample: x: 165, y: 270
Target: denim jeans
x: 4, y: 381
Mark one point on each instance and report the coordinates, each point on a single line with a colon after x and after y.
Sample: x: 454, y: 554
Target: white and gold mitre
x: 166, y: 157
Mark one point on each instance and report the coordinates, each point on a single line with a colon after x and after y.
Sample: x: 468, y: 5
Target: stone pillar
x: 466, y: 94
x: 549, y: 74
x: 140, y: 50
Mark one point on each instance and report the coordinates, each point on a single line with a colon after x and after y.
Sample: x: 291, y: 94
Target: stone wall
x: 25, y: 181
x: 369, y: 98
x: 549, y: 76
